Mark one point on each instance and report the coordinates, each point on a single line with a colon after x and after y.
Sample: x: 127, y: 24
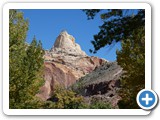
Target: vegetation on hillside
x: 68, y: 99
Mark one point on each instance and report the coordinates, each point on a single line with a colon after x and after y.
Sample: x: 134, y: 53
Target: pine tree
x: 25, y: 64
x: 118, y: 25
x: 17, y: 34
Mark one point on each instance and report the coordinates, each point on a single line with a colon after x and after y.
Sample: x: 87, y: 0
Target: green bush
x: 66, y: 99
x: 100, y: 105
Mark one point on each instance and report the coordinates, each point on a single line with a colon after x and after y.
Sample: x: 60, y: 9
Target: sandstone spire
x: 65, y: 43
x: 65, y: 63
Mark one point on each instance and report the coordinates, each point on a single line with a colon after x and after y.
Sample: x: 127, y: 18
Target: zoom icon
x: 147, y: 99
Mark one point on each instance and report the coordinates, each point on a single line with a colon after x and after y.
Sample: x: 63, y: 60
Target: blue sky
x: 47, y: 24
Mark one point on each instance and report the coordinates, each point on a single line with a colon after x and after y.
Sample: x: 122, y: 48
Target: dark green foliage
x: 132, y: 60
x: 91, y: 12
x: 66, y: 99
x: 25, y: 64
x: 118, y: 25
x: 100, y: 105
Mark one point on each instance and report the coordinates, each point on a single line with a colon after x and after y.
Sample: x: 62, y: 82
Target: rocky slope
x: 65, y: 63
x: 101, y: 84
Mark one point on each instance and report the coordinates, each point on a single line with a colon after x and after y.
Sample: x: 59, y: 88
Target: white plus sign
x: 147, y: 99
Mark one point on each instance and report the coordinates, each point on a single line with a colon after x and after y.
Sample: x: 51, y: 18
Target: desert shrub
x: 66, y: 99
x: 100, y: 105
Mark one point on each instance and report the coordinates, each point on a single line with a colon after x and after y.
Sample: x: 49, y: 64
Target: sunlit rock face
x: 65, y: 63
x: 65, y: 44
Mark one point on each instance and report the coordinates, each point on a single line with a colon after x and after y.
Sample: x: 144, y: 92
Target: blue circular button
x: 147, y: 99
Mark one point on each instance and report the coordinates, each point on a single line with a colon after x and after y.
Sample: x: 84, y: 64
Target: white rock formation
x: 65, y: 44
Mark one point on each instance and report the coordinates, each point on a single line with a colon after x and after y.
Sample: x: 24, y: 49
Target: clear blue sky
x: 47, y: 24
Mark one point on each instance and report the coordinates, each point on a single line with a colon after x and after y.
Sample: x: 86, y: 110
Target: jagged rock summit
x: 65, y: 63
x: 65, y: 44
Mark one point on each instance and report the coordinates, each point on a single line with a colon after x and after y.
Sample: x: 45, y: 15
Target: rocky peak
x: 65, y: 63
x: 65, y: 43
x: 64, y: 39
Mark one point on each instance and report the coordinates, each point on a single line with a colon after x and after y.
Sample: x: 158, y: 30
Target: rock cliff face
x: 65, y: 63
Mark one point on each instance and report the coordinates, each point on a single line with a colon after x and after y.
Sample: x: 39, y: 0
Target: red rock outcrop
x: 101, y: 84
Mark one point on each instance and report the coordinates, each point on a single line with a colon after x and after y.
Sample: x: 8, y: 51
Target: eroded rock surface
x: 65, y: 63
x: 101, y: 84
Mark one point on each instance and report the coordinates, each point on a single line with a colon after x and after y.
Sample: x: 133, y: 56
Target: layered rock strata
x: 65, y: 63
